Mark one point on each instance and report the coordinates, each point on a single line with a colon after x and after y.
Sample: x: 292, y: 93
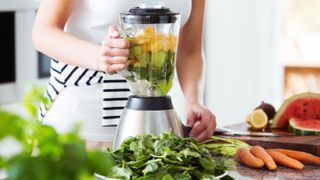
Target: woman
x: 71, y: 32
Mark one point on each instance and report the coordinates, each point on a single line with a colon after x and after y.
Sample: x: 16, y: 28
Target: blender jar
x: 152, y: 31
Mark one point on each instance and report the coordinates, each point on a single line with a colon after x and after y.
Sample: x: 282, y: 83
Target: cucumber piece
x: 135, y: 50
x: 143, y: 59
x: 158, y: 59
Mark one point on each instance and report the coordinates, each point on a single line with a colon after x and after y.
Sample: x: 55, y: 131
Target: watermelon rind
x: 302, y: 131
x: 274, y: 123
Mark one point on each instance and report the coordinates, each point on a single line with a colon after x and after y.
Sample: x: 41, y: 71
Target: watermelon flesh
x: 305, y: 106
x: 304, y: 126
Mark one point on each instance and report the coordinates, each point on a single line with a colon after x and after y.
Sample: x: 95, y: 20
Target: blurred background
x: 255, y: 51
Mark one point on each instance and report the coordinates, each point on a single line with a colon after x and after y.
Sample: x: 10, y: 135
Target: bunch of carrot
x: 257, y: 157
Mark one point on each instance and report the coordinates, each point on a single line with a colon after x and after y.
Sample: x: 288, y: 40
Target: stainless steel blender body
x: 147, y: 115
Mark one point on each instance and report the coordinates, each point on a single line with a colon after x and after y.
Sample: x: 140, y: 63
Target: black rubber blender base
x: 149, y: 103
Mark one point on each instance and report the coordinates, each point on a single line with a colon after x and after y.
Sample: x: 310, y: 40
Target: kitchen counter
x: 282, y: 173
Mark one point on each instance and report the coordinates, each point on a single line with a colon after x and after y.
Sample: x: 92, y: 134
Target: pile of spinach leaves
x: 164, y: 157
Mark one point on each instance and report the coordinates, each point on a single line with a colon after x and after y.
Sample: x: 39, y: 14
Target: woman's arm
x: 49, y: 38
x: 189, y: 57
x: 190, y: 72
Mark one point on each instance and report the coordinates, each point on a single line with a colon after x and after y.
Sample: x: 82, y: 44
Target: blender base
x: 147, y: 115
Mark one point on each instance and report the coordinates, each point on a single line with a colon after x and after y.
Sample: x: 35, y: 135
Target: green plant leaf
x: 166, y: 156
x: 182, y: 176
x: 47, y: 154
x: 208, y: 164
x: 123, y: 173
x: 167, y: 177
x: 151, y: 167
x: 189, y: 153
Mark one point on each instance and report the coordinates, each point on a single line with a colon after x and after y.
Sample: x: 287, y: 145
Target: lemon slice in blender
x: 258, y: 119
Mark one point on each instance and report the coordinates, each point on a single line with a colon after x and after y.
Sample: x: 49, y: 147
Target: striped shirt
x: 115, y: 89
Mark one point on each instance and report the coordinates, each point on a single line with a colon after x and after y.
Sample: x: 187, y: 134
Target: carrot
x: 244, y: 156
x: 301, y: 156
x: 262, y: 154
x: 284, y: 160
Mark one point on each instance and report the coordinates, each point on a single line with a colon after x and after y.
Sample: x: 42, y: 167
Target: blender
x: 152, y: 31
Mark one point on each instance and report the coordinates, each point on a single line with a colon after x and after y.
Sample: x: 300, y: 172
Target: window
x: 301, y: 46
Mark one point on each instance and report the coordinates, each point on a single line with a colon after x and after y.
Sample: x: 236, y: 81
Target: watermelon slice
x: 304, y: 127
x: 303, y: 106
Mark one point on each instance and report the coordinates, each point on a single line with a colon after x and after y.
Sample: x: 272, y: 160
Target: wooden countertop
x: 287, y: 140
x: 246, y: 173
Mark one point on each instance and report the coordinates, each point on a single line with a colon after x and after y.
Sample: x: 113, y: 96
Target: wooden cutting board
x: 310, y: 144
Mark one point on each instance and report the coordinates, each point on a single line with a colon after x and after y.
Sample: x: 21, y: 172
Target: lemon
x: 248, y: 119
x: 258, y: 119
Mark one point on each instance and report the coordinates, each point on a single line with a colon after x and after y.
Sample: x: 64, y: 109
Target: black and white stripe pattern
x: 115, y: 96
x: 115, y: 90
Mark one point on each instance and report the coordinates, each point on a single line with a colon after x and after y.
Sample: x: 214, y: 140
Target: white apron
x: 75, y: 92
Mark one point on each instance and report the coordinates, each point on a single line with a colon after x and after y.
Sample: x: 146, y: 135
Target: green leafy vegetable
x: 166, y: 156
x: 44, y: 153
x: 32, y: 98
x: 223, y: 146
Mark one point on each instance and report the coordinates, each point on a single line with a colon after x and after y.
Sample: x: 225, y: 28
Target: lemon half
x: 257, y: 119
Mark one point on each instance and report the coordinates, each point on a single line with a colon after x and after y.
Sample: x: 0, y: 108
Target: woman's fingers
x: 115, y: 59
x: 191, y: 118
x: 114, y: 39
x: 113, y: 68
x: 202, y: 136
x: 113, y: 32
x: 114, y: 52
x: 202, y: 122
x: 204, y: 127
x: 116, y: 43
x: 106, y: 51
x: 113, y: 64
x: 198, y: 128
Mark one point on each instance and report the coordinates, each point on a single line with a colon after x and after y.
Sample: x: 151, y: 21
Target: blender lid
x: 150, y: 14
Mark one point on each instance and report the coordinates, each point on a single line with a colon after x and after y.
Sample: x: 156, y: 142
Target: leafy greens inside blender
x: 151, y: 58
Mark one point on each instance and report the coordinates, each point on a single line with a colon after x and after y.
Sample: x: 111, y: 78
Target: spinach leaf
x: 151, y: 167
x: 165, y: 157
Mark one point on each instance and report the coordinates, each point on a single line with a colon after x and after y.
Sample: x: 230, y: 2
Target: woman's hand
x: 114, y: 52
x: 202, y: 121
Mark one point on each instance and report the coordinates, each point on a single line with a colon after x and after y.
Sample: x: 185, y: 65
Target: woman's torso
x: 89, y: 21
x: 91, y: 18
